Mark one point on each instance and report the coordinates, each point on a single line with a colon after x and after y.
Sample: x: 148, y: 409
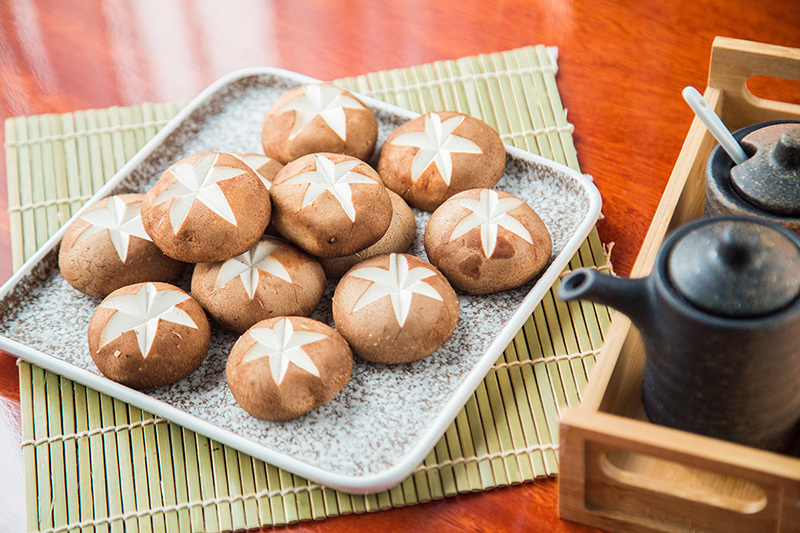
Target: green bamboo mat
x: 93, y: 463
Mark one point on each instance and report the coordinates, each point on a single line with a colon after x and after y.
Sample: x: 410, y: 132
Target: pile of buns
x: 267, y: 231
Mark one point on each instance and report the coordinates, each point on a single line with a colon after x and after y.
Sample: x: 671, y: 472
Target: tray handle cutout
x: 734, y: 62
x: 646, y: 472
x: 770, y: 88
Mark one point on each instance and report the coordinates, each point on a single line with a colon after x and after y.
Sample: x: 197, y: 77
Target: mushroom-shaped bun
x: 487, y: 241
x: 106, y: 248
x: 395, y: 308
x: 206, y: 207
x: 432, y: 157
x: 318, y: 118
x: 284, y: 367
x: 398, y: 238
x: 148, y: 335
x: 330, y: 205
x: 271, y: 279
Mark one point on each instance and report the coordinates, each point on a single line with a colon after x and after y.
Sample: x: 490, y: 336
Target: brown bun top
x: 330, y: 205
x: 486, y: 241
x: 270, y: 256
x: 117, y: 218
x: 107, y: 247
x: 148, y: 335
x: 271, y: 279
x: 293, y: 347
x: 487, y: 215
x: 318, y: 118
x: 430, y: 158
x: 394, y: 280
x: 206, y: 207
x: 143, y: 308
x: 395, y: 308
x: 198, y: 184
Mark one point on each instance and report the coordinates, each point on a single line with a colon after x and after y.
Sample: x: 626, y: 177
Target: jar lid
x: 736, y: 268
x: 770, y: 179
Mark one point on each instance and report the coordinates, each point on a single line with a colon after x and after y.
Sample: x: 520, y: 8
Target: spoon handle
x: 714, y: 125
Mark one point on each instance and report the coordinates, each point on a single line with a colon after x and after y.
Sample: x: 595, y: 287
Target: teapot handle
x: 734, y: 61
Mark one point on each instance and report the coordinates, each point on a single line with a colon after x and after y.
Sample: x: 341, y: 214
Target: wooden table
x: 622, y: 68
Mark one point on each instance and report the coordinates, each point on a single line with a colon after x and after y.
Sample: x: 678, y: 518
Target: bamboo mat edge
x: 506, y: 434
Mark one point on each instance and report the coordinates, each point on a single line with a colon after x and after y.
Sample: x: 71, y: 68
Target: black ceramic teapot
x: 720, y: 320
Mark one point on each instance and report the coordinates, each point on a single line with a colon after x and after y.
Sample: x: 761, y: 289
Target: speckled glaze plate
x: 385, y: 421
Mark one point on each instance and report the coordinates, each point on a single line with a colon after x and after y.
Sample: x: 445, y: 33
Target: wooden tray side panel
x: 714, y: 488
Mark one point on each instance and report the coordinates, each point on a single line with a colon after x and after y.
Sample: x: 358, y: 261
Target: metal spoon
x: 714, y: 125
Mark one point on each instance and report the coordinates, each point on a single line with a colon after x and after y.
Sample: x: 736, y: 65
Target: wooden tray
x: 619, y: 471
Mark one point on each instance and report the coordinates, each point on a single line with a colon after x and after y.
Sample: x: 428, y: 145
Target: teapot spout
x: 628, y: 296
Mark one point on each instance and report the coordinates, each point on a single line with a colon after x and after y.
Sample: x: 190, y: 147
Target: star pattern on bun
x: 141, y: 312
x: 121, y: 219
x: 334, y: 178
x: 436, y: 144
x: 283, y: 346
x: 249, y: 265
x: 198, y: 182
x: 399, y: 283
x: 324, y: 101
x: 489, y: 213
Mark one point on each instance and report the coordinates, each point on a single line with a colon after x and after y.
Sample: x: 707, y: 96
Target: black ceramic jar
x: 758, y: 193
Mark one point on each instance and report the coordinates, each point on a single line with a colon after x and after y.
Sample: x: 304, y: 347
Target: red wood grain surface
x: 622, y: 65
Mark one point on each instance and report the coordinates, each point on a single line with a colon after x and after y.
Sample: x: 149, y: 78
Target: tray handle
x: 617, y: 470
x: 734, y: 61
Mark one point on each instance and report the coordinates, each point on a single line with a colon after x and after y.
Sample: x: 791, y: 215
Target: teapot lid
x: 770, y: 179
x: 736, y: 268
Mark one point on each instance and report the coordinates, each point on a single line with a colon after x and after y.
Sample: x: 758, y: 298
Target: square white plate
x: 382, y: 425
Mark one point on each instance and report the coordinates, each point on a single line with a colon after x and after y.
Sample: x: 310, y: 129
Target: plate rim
x: 356, y: 484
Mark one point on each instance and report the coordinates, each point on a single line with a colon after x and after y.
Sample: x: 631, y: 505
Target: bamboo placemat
x: 93, y: 463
